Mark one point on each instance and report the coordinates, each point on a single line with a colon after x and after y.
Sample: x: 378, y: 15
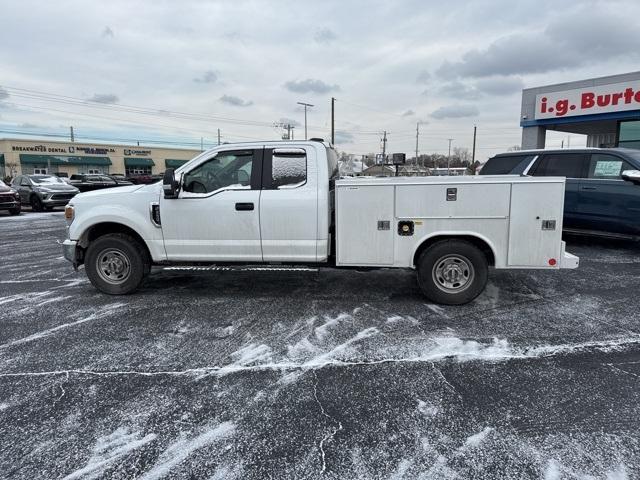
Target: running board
x: 239, y: 268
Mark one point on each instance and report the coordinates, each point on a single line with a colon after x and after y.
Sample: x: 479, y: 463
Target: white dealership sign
x: 615, y: 97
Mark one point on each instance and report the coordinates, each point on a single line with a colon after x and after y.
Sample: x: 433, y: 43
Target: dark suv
x: 9, y: 199
x: 602, y: 195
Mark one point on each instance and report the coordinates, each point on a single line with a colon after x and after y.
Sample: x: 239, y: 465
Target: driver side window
x: 226, y: 169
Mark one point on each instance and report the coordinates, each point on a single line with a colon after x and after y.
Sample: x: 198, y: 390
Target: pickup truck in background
x: 282, y: 204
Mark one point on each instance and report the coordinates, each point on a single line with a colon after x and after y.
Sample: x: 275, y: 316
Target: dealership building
x: 605, y: 109
x: 18, y: 156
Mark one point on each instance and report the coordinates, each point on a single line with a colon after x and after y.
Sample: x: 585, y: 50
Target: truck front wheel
x: 116, y: 263
x: 452, y: 272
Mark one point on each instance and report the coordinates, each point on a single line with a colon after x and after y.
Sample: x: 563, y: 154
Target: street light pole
x: 305, y: 105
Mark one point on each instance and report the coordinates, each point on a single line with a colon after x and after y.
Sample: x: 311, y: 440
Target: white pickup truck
x: 278, y: 204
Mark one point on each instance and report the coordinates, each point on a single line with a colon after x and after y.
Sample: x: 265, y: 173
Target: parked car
x: 275, y: 203
x: 43, y: 191
x: 140, y: 178
x: 88, y: 182
x: 602, y: 195
x: 9, y: 199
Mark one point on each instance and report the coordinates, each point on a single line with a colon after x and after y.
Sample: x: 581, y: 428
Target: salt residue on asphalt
x: 102, y: 312
x: 108, y: 450
x: 181, y: 449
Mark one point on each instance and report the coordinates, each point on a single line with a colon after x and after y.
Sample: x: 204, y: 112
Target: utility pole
x: 292, y: 129
x: 384, y: 150
x: 333, y: 121
x: 417, y: 134
x: 305, y: 105
x: 449, y: 157
x: 201, y: 144
x: 218, y: 136
x: 288, y: 131
x: 72, y: 137
x: 473, y: 151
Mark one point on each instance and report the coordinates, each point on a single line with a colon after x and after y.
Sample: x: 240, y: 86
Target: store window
x: 40, y: 170
x: 629, y: 134
x: 138, y: 171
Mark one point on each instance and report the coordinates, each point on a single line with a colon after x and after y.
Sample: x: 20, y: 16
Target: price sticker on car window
x: 608, y: 168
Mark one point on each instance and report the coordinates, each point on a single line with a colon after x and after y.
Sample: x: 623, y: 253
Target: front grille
x: 62, y: 196
x: 7, y: 199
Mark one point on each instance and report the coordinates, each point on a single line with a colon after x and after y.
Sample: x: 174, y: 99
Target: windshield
x: 45, y: 179
x: 633, y: 154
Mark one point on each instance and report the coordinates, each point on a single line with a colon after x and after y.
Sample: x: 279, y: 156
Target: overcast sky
x: 245, y: 64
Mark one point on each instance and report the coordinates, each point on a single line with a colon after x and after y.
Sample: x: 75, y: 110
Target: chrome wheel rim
x: 113, y: 266
x: 453, y: 273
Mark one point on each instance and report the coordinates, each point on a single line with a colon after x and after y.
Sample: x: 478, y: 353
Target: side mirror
x: 632, y: 176
x: 170, y: 186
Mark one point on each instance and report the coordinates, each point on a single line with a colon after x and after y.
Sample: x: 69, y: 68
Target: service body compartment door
x: 365, y: 225
x: 535, y: 228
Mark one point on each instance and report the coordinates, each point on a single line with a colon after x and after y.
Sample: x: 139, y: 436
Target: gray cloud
x: 3, y: 94
x: 500, y: 85
x: 325, y: 35
x: 107, y: 32
x: 408, y: 113
x: 235, y: 101
x: 456, y: 89
x: 561, y: 45
x: 455, y: 111
x: 208, y: 77
x: 310, y: 86
x: 423, y: 77
x: 28, y: 125
x: 343, y: 137
x: 108, y: 98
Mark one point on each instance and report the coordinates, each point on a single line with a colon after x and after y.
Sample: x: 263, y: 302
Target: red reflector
x: 552, y: 261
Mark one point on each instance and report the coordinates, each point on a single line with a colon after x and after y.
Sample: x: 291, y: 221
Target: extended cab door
x: 573, y: 166
x: 289, y: 204
x: 216, y: 217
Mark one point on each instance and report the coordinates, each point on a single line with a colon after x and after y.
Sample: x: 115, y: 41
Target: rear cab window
x: 507, y: 164
x: 570, y: 165
x: 285, y: 168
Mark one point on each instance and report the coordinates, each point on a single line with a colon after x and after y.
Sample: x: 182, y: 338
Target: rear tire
x: 36, y: 204
x: 116, y: 263
x: 452, y: 272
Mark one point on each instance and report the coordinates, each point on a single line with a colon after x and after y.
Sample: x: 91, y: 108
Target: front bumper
x: 69, y: 251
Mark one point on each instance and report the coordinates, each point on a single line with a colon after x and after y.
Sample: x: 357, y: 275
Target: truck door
x: 289, y: 204
x: 573, y: 166
x: 216, y: 217
x: 608, y: 203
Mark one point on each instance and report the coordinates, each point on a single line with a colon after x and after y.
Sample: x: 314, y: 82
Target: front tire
x: 36, y: 204
x: 15, y: 211
x: 116, y: 264
x: 452, y: 272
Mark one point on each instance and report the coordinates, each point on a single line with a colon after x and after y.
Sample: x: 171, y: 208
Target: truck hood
x: 120, y: 195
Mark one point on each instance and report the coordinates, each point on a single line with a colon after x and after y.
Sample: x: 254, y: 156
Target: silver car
x: 43, y: 191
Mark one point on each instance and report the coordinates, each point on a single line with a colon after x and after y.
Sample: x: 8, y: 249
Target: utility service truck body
x: 275, y: 203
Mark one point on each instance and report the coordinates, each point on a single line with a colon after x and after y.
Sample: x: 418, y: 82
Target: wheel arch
x: 100, y: 229
x: 479, y: 241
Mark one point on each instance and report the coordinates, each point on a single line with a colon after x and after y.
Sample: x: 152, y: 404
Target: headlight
x: 69, y: 213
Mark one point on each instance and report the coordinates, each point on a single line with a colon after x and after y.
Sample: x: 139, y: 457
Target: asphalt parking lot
x: 329, y: 374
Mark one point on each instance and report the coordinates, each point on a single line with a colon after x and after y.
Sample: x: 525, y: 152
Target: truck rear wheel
x: 452, y: 272
x: 116, y: 264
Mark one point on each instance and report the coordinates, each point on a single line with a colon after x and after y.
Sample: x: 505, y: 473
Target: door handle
x: 244, y: 206
x: 588, y: 188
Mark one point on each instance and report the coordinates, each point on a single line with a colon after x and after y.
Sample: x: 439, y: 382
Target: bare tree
x: 514, y: 148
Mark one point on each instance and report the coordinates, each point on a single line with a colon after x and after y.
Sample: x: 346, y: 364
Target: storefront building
x: 32, y: 156
x: 606, y: 109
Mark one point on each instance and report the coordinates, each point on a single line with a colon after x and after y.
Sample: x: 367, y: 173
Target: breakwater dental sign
x: 615, y: 97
